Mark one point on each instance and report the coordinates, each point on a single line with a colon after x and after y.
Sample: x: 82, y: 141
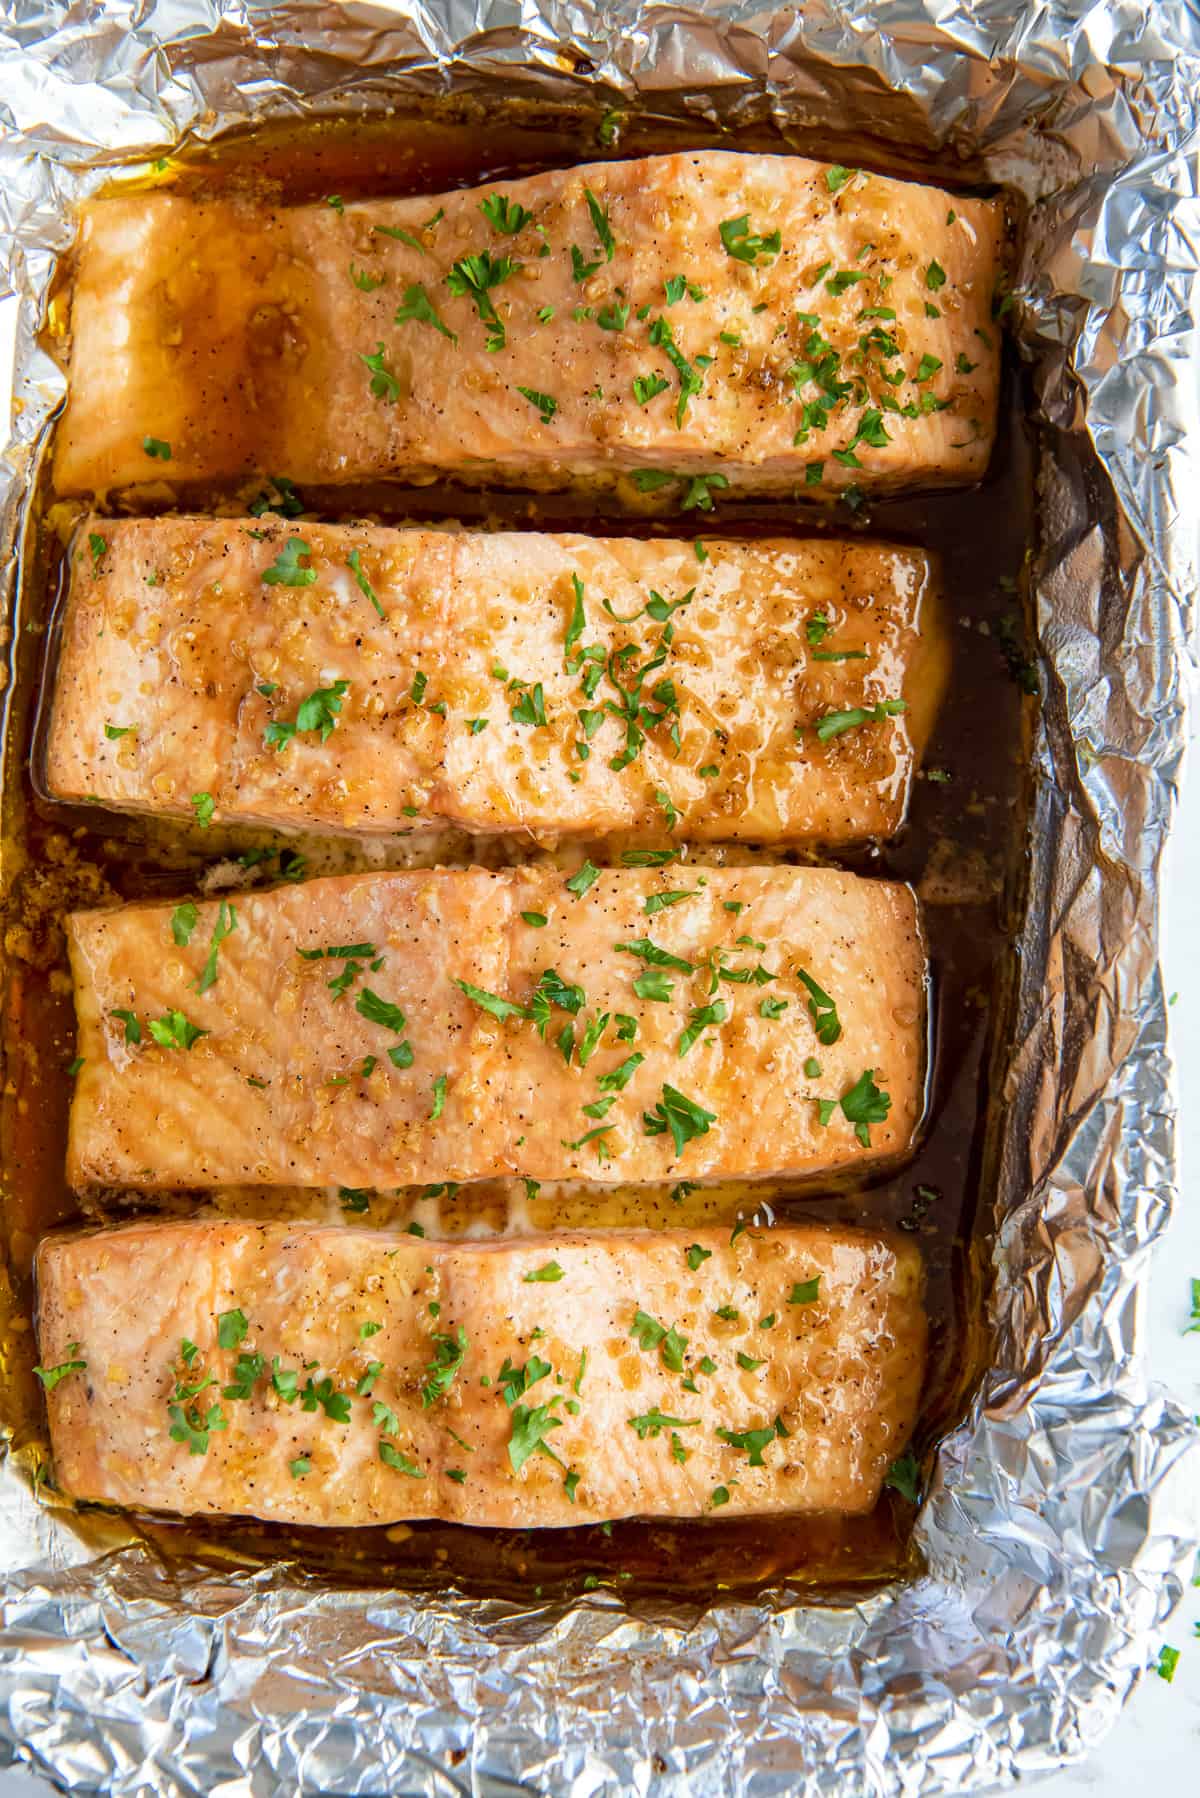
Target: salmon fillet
x: 695, y: 322
x: 482, y: 679
x: 326, y: 1376
x: 379, y: 1030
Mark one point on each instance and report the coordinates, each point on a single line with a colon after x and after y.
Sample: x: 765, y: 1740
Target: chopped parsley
x: 752, y: 1442
x: 691, y: 374
x: 183, y: 922
x: 805, y: 1292
x: 834, y: 724
x: 51, y: 1376
x: 904, y: 1477
x: 390, y: 1455
x: 587, y: 877
x: 286, y: 501
x: 618, y: 1078
x: 505, y: 215
x: 600, y: 224
x: 863, y: 1104
x: 546, y: 405
x: 699, y: 1019
x: 822, y: 1009
x: 401, y: 235
x: 646, y: 387
x: 473, y: 278
x: 98, y: 546
x: 232, y: 1328
x: 225, y: 925
x: 653, y: 1422
x: 354, y: 563
x: 363, y: 281
x: 418, y: 307
x: 683, y: 1117
x: 836, y: 177
x: 384, y: 385
x: 648, y: 858
x: 287, y: 570
x: 657, y: 957
x: 548, y: 1274
x: 530, y: 707
x: 439, y: 1098
x: 204, y: 805
x: 156, y: 449
x: 535, y: 919
x: 531, y: 1424
x: 248, y: 1370
x: 654, y: 984
x: 650, y: 1334
x: 133, y: 1030
x: 614, y: 317
x: 318, y: 712
x: 935, y: 276
x: 745, y: 245
x: 194, y: 1426
x: 449, y: 1353
x: 491, y: 1003
x: 173, y: 1031
x: 597, y: 1136
x: 700, y: 488
x: 655, y: 902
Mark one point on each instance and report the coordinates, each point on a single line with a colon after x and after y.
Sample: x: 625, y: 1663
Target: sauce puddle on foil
x: 961, y: 848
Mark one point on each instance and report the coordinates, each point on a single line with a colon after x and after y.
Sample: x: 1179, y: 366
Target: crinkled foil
x: 1056, y: 1532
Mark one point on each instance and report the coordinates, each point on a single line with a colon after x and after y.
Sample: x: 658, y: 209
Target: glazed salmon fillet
x: 779, y: 690
x: 693, y: 323
x: 379, y: 1030
x: 336, y: 1377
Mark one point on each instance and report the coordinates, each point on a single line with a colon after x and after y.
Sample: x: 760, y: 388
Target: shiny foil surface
x: 1056, y: 1532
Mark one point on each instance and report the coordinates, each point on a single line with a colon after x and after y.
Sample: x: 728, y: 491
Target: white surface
x: 1157, y: 1739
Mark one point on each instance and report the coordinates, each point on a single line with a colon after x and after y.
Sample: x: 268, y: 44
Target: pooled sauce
x: 961, y: 849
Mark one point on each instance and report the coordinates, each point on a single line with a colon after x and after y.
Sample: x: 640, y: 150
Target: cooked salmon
x: 692, y: 323
x: 780, y: 690
x: 380, y: 1030
x: 326, y: 1376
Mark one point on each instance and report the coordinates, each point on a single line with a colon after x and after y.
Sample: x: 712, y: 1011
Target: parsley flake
x: 546, y: 405
x: 745, y: 245
x: 834, y: 724
x: 287, y: 570
x: 354, y: 563
x: 683, y: 1117
x: 173, y: 1031
x: 384, y: 385
x: 318, y: 712
x: 52, y: 1376
x: 416, y: 306
x: 505, y: 215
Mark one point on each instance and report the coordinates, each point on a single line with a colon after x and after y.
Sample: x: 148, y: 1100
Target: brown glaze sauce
x: 961, y: 848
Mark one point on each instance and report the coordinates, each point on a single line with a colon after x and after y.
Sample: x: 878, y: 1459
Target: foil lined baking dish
x: 1055, y: 1532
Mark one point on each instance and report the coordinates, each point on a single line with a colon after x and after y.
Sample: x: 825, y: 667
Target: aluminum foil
x: 1056, y: 1530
